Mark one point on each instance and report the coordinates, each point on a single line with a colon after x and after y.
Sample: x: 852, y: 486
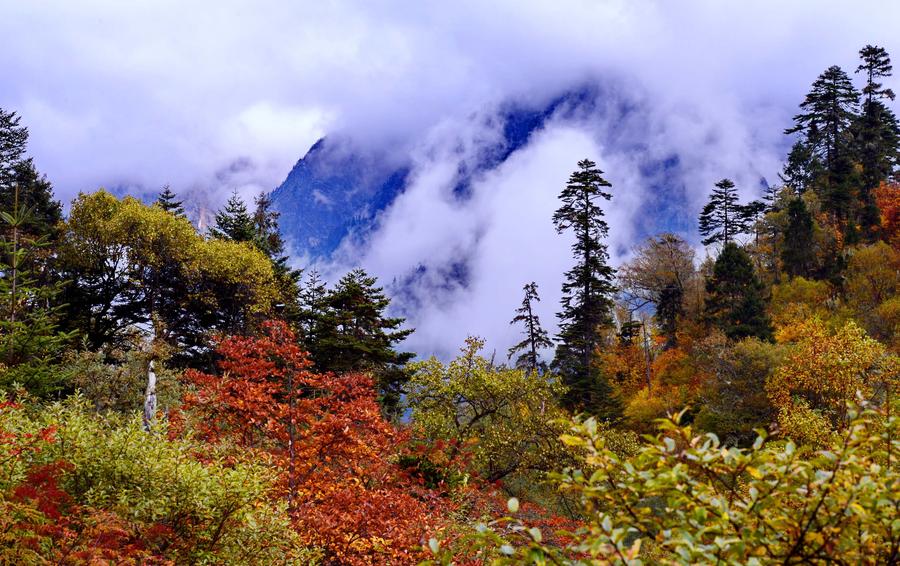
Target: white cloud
x: 221, y: 94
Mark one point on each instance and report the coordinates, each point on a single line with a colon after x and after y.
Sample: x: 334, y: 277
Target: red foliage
x: 345, y: 490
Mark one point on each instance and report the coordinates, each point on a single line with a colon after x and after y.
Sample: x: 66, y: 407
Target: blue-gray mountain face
x: 336, y: 190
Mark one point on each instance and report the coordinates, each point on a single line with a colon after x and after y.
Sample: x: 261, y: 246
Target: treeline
x: 283, y: 424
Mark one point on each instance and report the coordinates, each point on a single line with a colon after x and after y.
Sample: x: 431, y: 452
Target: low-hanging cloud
x: 214, y: 96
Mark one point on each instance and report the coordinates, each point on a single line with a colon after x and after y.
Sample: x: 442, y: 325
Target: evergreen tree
x: 587, y: 292
x: 801, y: 169
x: 13, y: 141
x: 751, y: 214
x: 31, y: 343
x: 166, y: 200
x: 826, y: 115
x: 311, y: 297
x: 876, y: 135
x: 20, y: 182
x: 354, y: 335
x: 234, y: 222
x: 721, y: 219
x: 735, y: 296
x: 536, y: 338
x: 827, y: 112
x: 269, y: 240
x: 798, y: 256
x: 669, y: 307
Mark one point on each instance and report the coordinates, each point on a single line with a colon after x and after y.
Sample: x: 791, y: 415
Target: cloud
x: 216, y: 95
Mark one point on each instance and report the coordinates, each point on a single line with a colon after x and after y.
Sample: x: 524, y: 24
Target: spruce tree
x: 721, y: 219
x: 167, y: 200
x: 801, y: 169
x: 234, y: 222
x: 536, y: 338
x: 735, y: 301
x: 311, y: 298
x: 13, y: 141
x: 20, y: 181
x: 587, y: 292
x: 876, y: 135
x: 354, y: 335
x: 269, y: 240
x: 31, y: 342
x: 826, y: 115
x: 797, y: 255
x: 827, y: 112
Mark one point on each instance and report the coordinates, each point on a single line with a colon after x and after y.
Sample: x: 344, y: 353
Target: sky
x: 213, y: 96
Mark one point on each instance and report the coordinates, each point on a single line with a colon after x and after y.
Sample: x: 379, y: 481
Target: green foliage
x: 510, y: 417
x: 134, y: 266
x: 798, y: 253
x: 353, y: 334
x: 735, y: 301
x: 117, y: 380
x: 30, y: 340
x: 734, y: 400
x: 686, y: 499
x: 234, y: 222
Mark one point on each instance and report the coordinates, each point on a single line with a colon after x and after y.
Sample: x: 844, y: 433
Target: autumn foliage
x: 326, y: 433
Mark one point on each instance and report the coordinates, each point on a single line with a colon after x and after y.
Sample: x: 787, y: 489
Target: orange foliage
x: 887, y: 196
x: 346, y: 492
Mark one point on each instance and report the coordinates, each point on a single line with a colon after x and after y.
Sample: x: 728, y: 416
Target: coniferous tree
x: 234, y: 222
x: 751, y: 214
x: 587, y: 292
x: 311, y: 297
x: 354, y: 335
x: 31, y: 342
x: 798, y: 256
x: 167, y: 200
x: 13, y: 141
x: 21, y: 182
x: 876, y: 134
x: 735, y: 301
x: 269, y: 240
x: 721, y: 219
x: 536, y: 338
x: 826, y: 115
x: 801, y: 169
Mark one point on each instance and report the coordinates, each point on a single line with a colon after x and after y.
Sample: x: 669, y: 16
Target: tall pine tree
x: 536, y: 338
x: 721, y: 219
x: 587, y: 292
x: 826, y: 115
x: 876, y: 135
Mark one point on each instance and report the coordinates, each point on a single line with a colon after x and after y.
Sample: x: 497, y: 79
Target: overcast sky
x: 143, y: 93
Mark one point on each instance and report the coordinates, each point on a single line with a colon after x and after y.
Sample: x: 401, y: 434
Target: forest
x: 172, y: 395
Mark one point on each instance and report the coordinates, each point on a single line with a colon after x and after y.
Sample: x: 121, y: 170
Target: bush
x: 686, y: 499
x: 160, y: 498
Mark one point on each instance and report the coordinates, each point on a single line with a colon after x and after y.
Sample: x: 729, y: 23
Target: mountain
x: 337, y: 189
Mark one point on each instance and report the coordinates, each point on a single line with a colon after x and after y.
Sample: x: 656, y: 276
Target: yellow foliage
x: 795, y: 301
x: 826, y: 370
